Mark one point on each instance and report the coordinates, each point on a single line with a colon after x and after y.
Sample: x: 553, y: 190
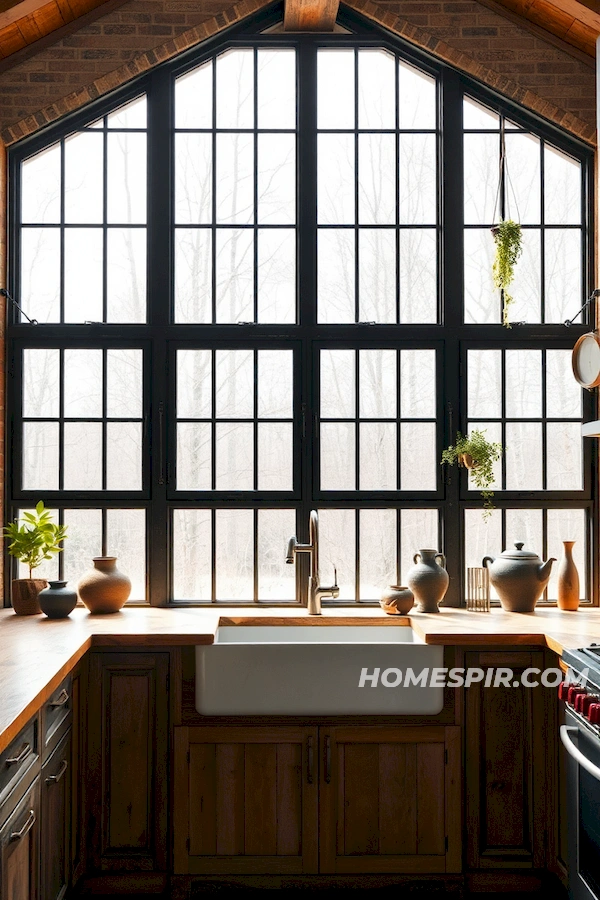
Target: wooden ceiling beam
x: 310, y: 15
x: 10, y: 14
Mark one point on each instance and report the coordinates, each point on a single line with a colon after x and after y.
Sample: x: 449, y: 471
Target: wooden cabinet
x: 255, y: 799
x: 19, y: 849
x: 506, y: 750
x: 245, y: 800
x: 390, y: 799
x: 127, y: 762
x: 56, y: 822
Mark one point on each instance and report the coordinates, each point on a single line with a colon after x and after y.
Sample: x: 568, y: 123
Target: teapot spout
x: 545, y: 569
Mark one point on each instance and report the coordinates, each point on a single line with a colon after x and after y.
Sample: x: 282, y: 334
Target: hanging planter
x: 509, y: 247
x: 476, y: 453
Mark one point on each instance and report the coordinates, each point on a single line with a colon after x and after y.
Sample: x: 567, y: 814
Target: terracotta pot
x: 104, y: 589
x: 57, y: 600
x: 24, y: 595
x: 427, y: 580
x: 397, y: 600
x: 568, y: 580
x: 467, y: 461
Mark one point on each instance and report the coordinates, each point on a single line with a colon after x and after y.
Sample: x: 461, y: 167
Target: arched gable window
x: 262, y: 276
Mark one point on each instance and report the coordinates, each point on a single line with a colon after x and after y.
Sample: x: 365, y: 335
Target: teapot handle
x: 485, y: 560
x: 415, y: 558
x: 443, y: 559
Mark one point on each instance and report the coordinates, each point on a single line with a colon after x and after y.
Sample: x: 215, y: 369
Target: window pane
x: 493, y: 433
x: 275, y: 456
x: 194, y: 384
x: 336, y: 276
x: 525, y: 525
x: 40, y: 456
x: 83, y: 543
x: 482, y: 299
x: 83, y: 456
x: 126, y: 275
x: 481, y: 154
x: 235, y: 384
x: 276, y: 580
x: 193, y: 98
x: 276, y: 275
x: 484, y: 391
x: 276, y: 73
x: 83, y: 274
x: 564, y: 289
x: 523, y: 178
x: 84, y: 178
x: 479, y: 117
x: 376, y: 89
x: 378, y: 456
x: 483, y: 537
x: 40, y: 187
x: 124, y: 390
x: 418, y: 276
x: 337, y: 456
x: 126, y: 539
x: 336, y: 179
x: 41, y: 376
x: 337, y: 538
x: 124, y: 456
x: 126, y: 175
x: 192, y: 554
x: 417, y: 104
x: 337, y: 384
x: 234, y: 554
x: 275, y: 384
x: 563, y: 394
x: 276, y: 175
x: 418, y: 528
x: 562, y: 188
x: 378, y: 544
x: 193, y: 275
x: 40, y: 273
x: 417, y: 384
x: 564, y: 456
x: 523, y: 384
x: 235, y: 456
x: 235, y: 275
x: 418, y: 179
x: 235, y: 178
x: 523, y: 456
x: 376, y: 178
x: 377, y: 275
x: 194, y: 456
x: 335, y: 89
x: 378, y: 384
x: 418, y: 454
x: 526, y: 289
x: 83, y: 384
x: 193, y: 178
x: 567, y: 525
x: 235, y: 89
x: 131, y: 115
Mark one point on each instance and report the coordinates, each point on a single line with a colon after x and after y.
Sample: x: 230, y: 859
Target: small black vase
x: 57, y: 600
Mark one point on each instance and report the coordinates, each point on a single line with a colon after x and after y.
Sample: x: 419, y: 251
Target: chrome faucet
x: 315, y: 591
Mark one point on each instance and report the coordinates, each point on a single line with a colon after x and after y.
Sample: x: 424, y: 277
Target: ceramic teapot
x: 519, y: 577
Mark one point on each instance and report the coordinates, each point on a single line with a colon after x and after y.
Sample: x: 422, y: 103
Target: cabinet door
x: 245, y: 800
x: 56, y: 822
x: 390, y: 799
x: 506, y: 766
x: 127, y: 753
x: 19, y: 849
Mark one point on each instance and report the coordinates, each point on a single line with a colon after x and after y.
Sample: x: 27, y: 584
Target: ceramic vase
x: 104, y: 589
x: 397, y: 600
x: 568, y: 580
x: 57, y: 600
x: 25, y: 595
x: 427, y: 580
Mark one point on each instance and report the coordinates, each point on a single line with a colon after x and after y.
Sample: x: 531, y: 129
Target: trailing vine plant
x: 477, y: 454
x: 508, y: 238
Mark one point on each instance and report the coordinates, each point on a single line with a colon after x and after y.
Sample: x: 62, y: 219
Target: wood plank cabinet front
x: 56, y: 822
x: 20, y: 849
x: 245, y: 800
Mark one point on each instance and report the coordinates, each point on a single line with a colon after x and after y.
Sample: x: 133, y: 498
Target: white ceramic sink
x: 315, y: 670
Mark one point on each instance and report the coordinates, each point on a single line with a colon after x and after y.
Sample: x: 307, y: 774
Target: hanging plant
x: 476, y: 453
x: 508, y: 238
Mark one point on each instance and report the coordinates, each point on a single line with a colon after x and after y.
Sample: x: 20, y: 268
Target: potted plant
x: 508, y: 238
x: 32, y: 540
x: 475, y: 452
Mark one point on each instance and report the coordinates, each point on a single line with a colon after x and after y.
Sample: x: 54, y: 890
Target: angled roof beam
x: 310, y: 15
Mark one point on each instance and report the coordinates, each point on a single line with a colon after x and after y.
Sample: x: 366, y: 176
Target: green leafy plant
x: 479, y: 455
x: 35, y: 537
x: 508, y: 238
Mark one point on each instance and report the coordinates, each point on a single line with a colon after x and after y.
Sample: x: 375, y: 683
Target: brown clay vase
x: 397, y: 600
x: 568, y: 580
x: 104, y: 589
x: 25, y: 595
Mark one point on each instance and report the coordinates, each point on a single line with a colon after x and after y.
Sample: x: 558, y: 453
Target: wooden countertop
x: 36, y: 653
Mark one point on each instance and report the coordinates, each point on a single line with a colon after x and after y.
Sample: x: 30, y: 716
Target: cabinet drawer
x: 56, y: 715
x: 19, y: 849
x: 19, y: 758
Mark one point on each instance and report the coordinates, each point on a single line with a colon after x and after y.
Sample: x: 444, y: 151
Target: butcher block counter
x: 36, y: 653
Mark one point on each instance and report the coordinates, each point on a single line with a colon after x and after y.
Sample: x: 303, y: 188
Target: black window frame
x: 159, y: 336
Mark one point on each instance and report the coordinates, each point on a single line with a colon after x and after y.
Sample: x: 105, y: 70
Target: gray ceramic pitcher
x: 427, y: 580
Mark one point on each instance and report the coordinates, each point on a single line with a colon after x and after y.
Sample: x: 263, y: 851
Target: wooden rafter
x: 310, y: 15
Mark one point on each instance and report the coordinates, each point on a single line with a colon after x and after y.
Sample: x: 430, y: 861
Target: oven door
x: 583, y: 808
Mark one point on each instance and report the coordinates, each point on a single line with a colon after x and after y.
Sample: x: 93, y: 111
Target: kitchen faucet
x: 315, y: 591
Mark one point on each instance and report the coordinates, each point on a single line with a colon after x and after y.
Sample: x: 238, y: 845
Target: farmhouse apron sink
x: 307, y: 670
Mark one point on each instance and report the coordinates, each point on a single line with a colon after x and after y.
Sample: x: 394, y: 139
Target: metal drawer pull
x: 15, y: 760
x: 63, y: 698
x: 310, y: 760
x: 17, y: 835
x: 575, y: 752
x: 328, y: 759
x: 54, y: 779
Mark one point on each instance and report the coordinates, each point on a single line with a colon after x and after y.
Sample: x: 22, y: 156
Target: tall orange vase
x: 568, y: 580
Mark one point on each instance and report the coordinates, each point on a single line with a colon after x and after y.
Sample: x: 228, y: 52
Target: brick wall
x: 116, y: 46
